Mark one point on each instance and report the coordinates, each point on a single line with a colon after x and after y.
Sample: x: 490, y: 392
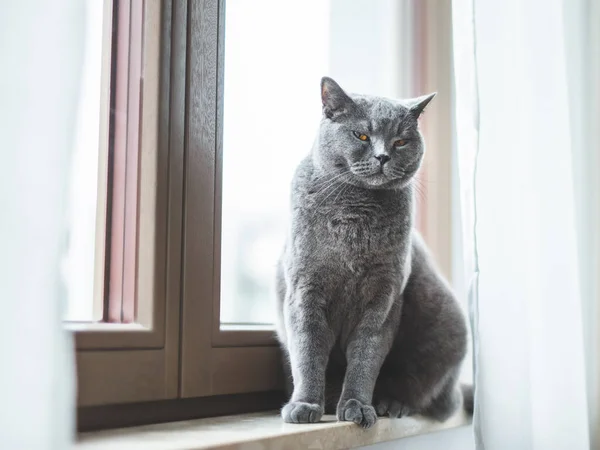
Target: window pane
x: 78, y: 268
x: 275, y: 55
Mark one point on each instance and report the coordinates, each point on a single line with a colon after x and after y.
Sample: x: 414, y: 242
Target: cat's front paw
x: 391, y: 408
x: 354, y: 411
x: 301, y: 412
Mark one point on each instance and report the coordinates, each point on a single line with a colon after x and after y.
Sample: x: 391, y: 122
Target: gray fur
x: 365, y: 318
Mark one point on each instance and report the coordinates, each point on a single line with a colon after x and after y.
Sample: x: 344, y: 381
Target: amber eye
x: 362, y: 137
x: 400, y: 143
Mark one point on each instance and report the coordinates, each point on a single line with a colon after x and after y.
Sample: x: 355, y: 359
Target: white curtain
x: 515, y: 142
x: 41, y: 49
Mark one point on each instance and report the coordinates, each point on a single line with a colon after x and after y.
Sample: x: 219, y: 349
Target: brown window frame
x: 176, y: 361
x: 132, y: 362
x: 165, y: 258
x: 211, y: 357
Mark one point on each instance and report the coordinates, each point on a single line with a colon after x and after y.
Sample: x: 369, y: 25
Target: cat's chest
x: 359, y: 226
x: 345, y: 225
x: 353, y: 232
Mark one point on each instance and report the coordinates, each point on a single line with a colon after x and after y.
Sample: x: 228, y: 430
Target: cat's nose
x: 383, y: 158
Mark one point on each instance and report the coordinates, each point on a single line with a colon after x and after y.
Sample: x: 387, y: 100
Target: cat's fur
x: 365, y: 319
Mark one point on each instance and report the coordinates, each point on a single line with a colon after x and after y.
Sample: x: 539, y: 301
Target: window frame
x: 119, y: 363
x: 211, y: 357
x: 177, y: 359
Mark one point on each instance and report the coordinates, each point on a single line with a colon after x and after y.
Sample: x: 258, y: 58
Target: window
x: 119, y: 310
x: 150, y: 335
x: 183, y: 206
x: 271, y: 112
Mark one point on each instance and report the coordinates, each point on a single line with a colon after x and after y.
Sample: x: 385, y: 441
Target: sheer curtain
x: 42, y: 52
x: 515, y: 140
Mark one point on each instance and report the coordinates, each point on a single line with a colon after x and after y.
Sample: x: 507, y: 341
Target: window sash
x: 118, y: 362
x: 212, y: 359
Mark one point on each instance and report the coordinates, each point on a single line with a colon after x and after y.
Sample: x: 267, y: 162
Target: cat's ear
x: 335, y: 100
x: 417, y: 105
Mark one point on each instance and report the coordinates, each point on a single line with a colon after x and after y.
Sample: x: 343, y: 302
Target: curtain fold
x: 42, y: 55
x: 519, y: 210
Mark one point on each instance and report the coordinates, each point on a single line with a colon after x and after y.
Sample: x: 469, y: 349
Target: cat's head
x: 368, y: 141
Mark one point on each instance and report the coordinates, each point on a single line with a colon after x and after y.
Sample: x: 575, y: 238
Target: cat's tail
x: 467, y: 393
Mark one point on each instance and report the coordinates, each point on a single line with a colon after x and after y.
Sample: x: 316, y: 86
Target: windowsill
x: 103, y: 326
x: 263, y: 430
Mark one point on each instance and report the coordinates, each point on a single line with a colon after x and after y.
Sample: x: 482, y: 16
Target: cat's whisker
x: 338, y: 187
x: 344, y: 189
x: 332, y: 181
x: 328, y: 180
x: 327, y: 188
x: 419, y: 189
x: 324, y: 180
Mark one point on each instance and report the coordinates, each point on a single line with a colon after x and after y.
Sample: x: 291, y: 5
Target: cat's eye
x: 361, y: 136
x: 400, y: 143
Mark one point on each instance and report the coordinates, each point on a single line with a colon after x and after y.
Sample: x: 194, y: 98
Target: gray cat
x: 364, y: 316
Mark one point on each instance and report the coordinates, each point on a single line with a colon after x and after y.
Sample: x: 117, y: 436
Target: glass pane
x: 275, y: 55
x: 78, y: 267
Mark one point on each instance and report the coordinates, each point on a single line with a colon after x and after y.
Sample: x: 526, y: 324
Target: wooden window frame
x: 212, y: 357
x: 176, y: 348
x: 177, y: 360
x: 126, y: 362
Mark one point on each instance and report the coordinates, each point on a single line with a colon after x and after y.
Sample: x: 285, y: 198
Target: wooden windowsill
x: 263, y: 430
